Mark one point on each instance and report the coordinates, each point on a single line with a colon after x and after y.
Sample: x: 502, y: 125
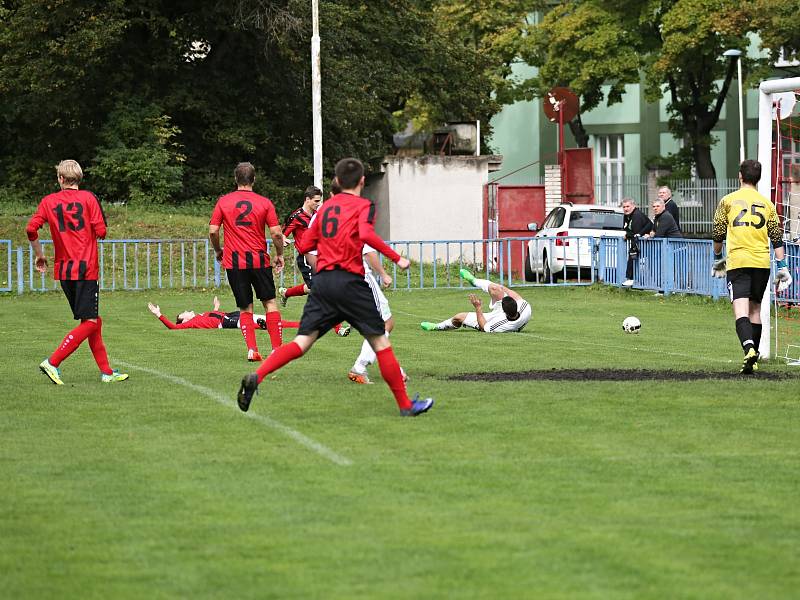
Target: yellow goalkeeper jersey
x: 749, y: 222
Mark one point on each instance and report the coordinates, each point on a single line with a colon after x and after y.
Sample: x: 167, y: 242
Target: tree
x: 582, y: 46
x: 676, y: 44
x: 493, y: 29
x: 230, y: 82
x: 775, y: 21
x: 137, y: 157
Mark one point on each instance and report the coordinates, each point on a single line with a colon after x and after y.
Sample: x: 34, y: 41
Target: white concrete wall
x: 431, y: 198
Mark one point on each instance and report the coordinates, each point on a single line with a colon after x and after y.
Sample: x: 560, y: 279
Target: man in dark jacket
x: 665, y: 194
x: 636, y: 224
x: 663, y: 223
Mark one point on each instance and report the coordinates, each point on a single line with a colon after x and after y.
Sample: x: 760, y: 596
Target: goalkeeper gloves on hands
x: 782, y: 277
x: 718, y: 268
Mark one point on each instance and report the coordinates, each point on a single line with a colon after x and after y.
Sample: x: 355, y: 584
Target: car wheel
x: 529, y: 274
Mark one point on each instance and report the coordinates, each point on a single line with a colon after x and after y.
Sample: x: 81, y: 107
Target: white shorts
x: 380, y: 298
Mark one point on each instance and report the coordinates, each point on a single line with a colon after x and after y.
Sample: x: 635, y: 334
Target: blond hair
x: 70, y: 170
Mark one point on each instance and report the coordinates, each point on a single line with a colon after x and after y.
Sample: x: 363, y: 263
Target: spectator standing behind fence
x: 665, y: 194
x: 636, y: 224
x: 664, y: 224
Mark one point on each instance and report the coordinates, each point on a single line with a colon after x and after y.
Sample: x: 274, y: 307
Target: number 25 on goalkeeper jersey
x: 749, y: 222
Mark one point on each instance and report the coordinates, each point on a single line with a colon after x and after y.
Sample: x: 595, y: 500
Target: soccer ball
x: 631, y: 325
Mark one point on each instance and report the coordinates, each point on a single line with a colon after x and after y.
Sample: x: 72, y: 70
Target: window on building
x: 610, y: 153
x: 787, y: 58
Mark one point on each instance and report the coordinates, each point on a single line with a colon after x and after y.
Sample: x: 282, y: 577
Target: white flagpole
x: 316, y: 96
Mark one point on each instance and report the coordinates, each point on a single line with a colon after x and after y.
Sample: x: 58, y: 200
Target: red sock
x: 98, y: 348
x: 290, y: 324
x: 390, y: 371
x: 278, y: 358
x: 298, y: 290
x: 274, y: 329
x: 71, y: 342
x: 249, y: 329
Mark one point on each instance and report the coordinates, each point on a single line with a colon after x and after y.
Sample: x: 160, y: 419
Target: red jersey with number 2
x: 341, y: 228
x: 76, y: 223
x: 244, y: 216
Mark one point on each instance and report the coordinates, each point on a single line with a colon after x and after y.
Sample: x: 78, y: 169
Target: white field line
x: 298, y: 437
x: 598, y: 344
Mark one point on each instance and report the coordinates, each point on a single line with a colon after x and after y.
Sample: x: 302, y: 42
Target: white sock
x: 482, y: 284
x: 366, y: 358
x: 444, y: 325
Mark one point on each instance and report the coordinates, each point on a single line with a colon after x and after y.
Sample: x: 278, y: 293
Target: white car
x: 553, y: 249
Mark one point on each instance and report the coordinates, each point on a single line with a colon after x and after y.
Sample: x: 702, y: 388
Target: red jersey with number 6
x: 244, y: 216
x: 341, y: 228
x: 76, y: 222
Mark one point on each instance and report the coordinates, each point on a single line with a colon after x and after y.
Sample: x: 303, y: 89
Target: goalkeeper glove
x: 782, y: 278
x: 718, y: 268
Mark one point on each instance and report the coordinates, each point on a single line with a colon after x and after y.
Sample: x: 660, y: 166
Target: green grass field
x: 159, y: 487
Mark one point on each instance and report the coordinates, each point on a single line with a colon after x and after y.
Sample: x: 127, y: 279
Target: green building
x: 622, y: 136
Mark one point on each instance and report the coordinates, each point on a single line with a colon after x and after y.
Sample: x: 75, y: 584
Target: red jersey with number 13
x: 341, y: 228
x: 244, y: 215
x: 76, y: 223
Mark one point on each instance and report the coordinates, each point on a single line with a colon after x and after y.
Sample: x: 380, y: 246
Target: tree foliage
x: 494, y: 30
x: 583, y: 46
x: 776, y: 22
x: 137, y: 157
x: 676, y: 46
x: 224, y: 82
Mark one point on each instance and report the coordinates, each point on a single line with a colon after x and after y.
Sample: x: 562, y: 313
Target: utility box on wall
x: 430, y: 197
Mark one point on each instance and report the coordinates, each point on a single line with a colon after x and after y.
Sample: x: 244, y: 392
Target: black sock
x: 744, y: 329
x: 756, y: 335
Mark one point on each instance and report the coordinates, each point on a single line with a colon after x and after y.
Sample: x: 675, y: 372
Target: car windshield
x: 595, y: 219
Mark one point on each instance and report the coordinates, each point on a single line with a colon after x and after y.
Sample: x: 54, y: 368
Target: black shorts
x: 244, y: 281
x: 304, y: 268
x: 747, y: 282
x: 340, y: 296
x: 230, y: 320
x: 83, y: 296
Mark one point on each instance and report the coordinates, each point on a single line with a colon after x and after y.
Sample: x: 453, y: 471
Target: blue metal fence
x: 6, y: 264
x: 666, y: 265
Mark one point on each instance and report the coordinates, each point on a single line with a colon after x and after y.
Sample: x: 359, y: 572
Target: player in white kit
x: 376, y: 277
x: 508, y: 311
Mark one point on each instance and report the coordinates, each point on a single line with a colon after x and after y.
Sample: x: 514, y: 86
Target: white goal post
x: 766, y: 91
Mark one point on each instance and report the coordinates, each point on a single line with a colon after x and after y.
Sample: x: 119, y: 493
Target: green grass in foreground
x: 638, y: 489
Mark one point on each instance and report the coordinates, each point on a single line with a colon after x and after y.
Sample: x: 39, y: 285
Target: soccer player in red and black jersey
x: 76, y: 222
x: 296, y: 225
x: 244, y: 216
x: 213, y: 319
x: 339, y: 233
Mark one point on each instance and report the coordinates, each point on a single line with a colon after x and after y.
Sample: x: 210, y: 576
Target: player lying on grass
x: 76, y: 222
x: 339, y: 292
x: 213, y: 319
x: 508, y: 311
